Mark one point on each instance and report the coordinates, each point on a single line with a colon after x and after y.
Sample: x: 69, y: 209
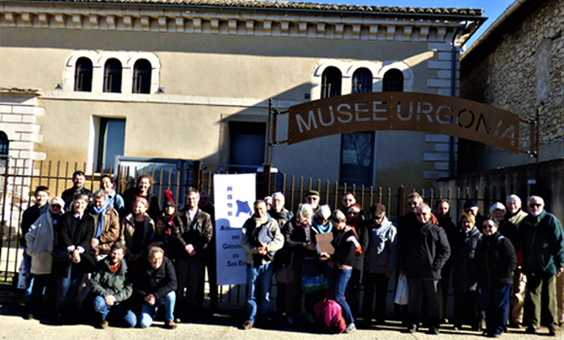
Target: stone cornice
x: 211, y: 21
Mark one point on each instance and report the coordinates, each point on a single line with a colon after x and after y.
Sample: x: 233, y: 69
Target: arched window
x: 142, y: 76
x: 112, y: 76
x: 331, y: 82
x: 83, y: 75
x: 362, y: 81
x: 4, y: 145
x: 393, y: 81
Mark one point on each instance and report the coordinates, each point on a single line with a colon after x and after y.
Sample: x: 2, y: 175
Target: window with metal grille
x: 83, y: 75
x: 112, y: 76
x: 362, y: 81
x: 142, y: 76
x: 4, y: 145
x: 393, y: 81
x: 331, y: 82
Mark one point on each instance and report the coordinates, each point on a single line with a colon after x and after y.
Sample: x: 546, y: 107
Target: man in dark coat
x: 196, y: 232
x: 78, y: 180
x: 424, y: 251
x: 154, y: 286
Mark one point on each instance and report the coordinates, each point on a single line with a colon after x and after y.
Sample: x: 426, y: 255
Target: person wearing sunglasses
x: 495, y: 261
x: 542, y: 241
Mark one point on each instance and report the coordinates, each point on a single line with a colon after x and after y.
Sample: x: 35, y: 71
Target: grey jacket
x: 248, y: 240
x: 381, y: 254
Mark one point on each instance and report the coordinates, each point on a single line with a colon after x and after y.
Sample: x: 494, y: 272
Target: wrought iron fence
x: 20, y: 177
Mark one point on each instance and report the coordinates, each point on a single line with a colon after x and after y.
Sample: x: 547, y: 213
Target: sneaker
x: 170, y: 325
x: 553, y: 332
x: 247, y: 325
x: 104, y: 324
x: 412, y: 328
x: 350, y: 328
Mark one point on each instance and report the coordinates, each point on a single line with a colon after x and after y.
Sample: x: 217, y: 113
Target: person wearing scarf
x: 297, y: 241
x: 114, y: 199
x: 107, y: 229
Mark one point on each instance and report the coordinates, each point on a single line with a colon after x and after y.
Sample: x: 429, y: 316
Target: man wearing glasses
x: 542, y: 243
x: 424, y: 251
x: 312, y: 197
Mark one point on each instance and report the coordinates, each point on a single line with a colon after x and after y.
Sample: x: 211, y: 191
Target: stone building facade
x: 212, y: 67
x: 518, y: 65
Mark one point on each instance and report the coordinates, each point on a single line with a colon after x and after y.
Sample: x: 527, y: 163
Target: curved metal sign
x: 407, y: 111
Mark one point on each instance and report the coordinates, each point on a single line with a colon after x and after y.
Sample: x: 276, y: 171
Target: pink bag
x: 328, y: 317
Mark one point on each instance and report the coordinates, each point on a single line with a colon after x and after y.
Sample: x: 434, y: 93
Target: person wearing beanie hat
x: 173, y: 225
x: 470, y: 206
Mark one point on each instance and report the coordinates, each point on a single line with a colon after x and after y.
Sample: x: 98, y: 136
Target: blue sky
x: 492, y: 8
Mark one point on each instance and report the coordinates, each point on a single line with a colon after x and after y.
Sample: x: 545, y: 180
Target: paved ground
x: 221, y: 326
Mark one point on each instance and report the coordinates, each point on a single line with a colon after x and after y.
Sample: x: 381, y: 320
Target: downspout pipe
x: 453, y: 93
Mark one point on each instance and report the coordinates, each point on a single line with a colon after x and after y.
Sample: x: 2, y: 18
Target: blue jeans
x: 338, y: 280
x: 259, y: 278
x: 496, y: 303
x: 148, y: 311
x: 69, y: 285
x: 120, y: 315
x: 28, y: 275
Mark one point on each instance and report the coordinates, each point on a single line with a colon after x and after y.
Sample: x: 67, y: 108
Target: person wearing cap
x: 542, y: 241
x: 355, y: 220
x: 516, y: 215
x: 41, y: 239
x: 470, y: 206
x: 196, y: 231
x: 312, y: 198
x: 379, y: 263
x: 107, y: 229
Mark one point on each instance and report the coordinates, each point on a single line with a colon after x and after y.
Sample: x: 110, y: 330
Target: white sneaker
x: 350, y: 328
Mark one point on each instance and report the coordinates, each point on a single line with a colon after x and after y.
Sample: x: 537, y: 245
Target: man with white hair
x: 542, y: 242
x: 514, y: 215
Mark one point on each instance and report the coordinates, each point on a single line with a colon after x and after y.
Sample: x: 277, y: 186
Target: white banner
x: 234, y: 196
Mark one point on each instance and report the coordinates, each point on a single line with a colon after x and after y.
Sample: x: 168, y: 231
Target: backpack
x: 328, y: 317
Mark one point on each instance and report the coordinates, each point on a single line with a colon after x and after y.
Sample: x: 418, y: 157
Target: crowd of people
x: 116, y: 260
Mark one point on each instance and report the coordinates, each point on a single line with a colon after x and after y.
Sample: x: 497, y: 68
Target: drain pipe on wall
x: 453, y: 94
